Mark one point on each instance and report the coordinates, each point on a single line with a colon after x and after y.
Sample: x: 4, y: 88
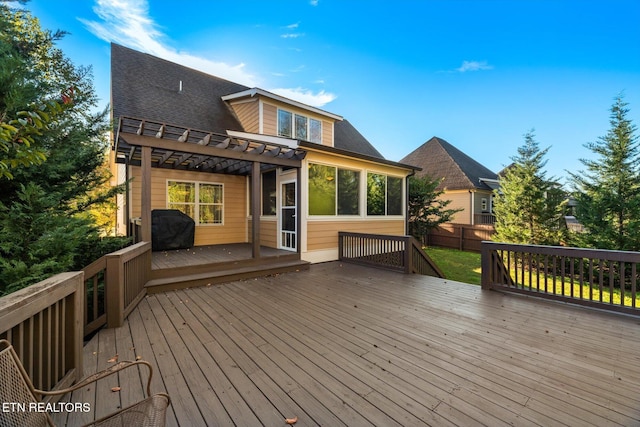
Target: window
x: 269, y: 193
x: 298, y: 126
x: 483, y: 204
x: 284, y: 123
x: 384, y: 195
x: 202, y: 201
x: 333, y: 191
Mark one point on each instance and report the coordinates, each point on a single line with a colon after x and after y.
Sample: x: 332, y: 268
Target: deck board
x: 348, y: 345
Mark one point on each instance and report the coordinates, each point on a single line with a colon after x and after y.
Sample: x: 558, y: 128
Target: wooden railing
x: 114, y: 284
x: 44, y: 324
x: 400, y: 253
x: 484, y: 219
x: 597, y: 278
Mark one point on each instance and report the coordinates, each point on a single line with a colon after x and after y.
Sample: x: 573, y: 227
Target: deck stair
x: 221, y: 272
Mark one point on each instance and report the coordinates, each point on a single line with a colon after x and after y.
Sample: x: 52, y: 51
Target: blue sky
x: 478, y: 73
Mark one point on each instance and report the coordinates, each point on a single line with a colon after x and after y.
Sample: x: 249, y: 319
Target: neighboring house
x: 468, y: 184
x: 224, y: 154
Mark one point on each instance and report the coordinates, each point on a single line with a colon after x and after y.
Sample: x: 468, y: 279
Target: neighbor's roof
x: 146, y: 87
x: 439, y: 159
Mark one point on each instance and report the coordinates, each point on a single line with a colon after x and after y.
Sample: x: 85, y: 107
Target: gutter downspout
x: 473, y: 206
x: 406, y: 214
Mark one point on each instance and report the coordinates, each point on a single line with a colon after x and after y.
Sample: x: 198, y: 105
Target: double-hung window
x: 202, y: 201
x: 298, y: 126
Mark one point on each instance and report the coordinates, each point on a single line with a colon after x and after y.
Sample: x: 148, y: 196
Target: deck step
x: 224, y: 276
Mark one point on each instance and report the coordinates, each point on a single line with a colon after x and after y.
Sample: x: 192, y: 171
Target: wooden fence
x: 459, y: 236
x: 400, y: 253
x: 44, y: 324
x: 598, y: 278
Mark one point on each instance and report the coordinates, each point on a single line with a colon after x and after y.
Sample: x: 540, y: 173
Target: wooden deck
x: 341, y: 344
x: 199, y: 255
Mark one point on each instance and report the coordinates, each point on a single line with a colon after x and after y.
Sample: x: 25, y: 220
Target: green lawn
x: 465, y: 267
x: 457, y: 265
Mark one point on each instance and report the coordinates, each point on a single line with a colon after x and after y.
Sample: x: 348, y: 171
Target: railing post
x: 114, y: 291
x: 485, y: 265
x: 408, y: 259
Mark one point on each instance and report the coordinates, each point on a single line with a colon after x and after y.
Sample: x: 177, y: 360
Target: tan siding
x: 269, y: 233
x: 235, y: 204
x: 248, y: 115
x: 324, y: 234
x: 269, y: 119
x: 459, y: 200
x: 327, y: 133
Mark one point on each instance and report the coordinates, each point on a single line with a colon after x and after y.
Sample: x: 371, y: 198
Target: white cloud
x: 305, y: 96
x: 292, y: 26
x: 127, y: 22
x: 474, y: 66
x: 291, y: 35
x: 314, y: 2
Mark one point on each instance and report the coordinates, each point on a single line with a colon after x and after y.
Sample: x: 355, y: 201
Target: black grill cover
x: 171, y: 229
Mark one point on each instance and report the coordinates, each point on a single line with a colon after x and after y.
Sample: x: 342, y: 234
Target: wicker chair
x: 16, y: 388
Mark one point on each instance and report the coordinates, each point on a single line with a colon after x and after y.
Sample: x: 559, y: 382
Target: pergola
x: 150, y: 144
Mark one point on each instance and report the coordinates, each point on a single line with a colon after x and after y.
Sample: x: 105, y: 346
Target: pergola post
x: 255, y: 209
x: 145, y: 198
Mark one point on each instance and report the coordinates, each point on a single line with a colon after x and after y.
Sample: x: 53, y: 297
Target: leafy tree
x: 46, y: 225
x: 528, y: 206
x: 427, y: 210
x: 608, y: 192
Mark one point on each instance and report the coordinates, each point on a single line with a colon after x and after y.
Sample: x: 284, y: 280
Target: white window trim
x: 196, y: 210
x: 293, y: 125
x: 404, y: 196
x: 359, y: 215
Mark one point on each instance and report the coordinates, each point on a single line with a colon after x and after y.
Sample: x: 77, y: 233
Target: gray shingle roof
x: 144, y: 86
x: 439, y: 159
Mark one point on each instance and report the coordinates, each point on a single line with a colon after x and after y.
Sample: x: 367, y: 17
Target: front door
x: 288, y: 216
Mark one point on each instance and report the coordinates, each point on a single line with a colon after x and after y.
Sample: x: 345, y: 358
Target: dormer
x: 266, y: 113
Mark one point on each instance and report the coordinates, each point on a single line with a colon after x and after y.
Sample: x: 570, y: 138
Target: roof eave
x: 249, y: 93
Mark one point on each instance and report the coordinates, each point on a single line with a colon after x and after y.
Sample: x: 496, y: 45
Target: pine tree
x: 44, y: 223
x: 426, y: 208
x: 608, y: 192
x: 528, y: 206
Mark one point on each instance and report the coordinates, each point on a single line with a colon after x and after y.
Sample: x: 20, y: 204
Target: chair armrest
x: 102, y: 374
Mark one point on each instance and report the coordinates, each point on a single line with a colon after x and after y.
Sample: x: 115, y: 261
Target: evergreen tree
x: 45, y: 226
x: 528, y: 206
x: 608, y: 192
x: 426, y: 208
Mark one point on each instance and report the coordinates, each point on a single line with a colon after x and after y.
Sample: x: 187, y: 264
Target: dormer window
x: 297, y: 126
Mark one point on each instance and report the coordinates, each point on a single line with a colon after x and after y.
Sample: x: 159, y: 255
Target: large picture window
x: 202, y: 201
x: 298, y: 126
x: 384, y: 195
x: 269, y: 193
x: 333, y: 191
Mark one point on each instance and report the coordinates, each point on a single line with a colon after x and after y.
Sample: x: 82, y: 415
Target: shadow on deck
x: 342, y: 344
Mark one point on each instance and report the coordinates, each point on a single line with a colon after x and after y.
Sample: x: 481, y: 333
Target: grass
x: 457, y: 265
x: 465, y: 267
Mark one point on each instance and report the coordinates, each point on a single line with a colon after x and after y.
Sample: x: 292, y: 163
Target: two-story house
x: 226, y: 155
x: 468, y: 184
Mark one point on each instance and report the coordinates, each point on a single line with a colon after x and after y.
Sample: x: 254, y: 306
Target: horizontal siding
x: 327, y: 133
x: 269, y: 119
x: 248, y: 115
x: 268, y: 232
x: 324, y: 234
x: 235, y: 203
x: 459, y: 200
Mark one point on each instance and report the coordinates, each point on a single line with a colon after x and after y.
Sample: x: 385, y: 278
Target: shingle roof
x: 147, y: 87
x: 439, y: 159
